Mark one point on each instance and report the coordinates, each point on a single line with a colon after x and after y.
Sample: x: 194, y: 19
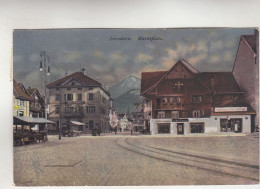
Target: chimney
x: 83, y: 70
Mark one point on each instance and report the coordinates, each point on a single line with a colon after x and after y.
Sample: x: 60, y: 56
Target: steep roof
x: 19, y: 93
x: 251, y: 41
x: 78, y: 76
x: 219, y: 82
x: 148, y: 79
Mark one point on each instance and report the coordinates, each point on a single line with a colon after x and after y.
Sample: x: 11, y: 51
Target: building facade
x: 138, y: 118
x: 184, y: 100
x: 246, y: 72
x: 77, y: 97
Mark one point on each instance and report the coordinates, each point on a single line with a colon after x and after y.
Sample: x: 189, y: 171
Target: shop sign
x: 180, y: 120
x: 231, y: 109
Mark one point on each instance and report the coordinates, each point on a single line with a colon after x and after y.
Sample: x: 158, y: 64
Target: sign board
x: 180, y: 120
x: 231, y: 109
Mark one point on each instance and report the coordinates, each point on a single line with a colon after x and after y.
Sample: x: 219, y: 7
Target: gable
x: 179, y: 71
x: 72, y: 83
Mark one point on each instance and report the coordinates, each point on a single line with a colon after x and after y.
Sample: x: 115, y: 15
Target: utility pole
x: 45, y: 68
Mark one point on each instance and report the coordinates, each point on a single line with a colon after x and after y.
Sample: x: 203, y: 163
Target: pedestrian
x: 131, y: 131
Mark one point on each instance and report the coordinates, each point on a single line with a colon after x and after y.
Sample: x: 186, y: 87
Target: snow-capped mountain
x: 125, y: 85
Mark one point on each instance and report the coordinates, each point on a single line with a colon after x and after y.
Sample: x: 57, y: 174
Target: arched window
x: 91, y: 124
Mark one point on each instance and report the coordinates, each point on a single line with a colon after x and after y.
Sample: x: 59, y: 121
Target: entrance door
x: 180, y: 128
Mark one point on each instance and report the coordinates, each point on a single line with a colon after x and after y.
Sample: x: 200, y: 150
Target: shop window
x: 163, y: 128
x: 231, y: 125
x: 197, y: 127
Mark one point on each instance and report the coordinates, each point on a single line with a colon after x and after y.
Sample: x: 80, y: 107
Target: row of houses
x: 183, y: 100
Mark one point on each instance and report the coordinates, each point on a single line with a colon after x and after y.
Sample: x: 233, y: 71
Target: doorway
x: 180, y: 128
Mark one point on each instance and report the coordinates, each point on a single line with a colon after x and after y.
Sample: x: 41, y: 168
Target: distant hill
x: 127, y: 100
x: 125, y: 85
x: 125, y: 93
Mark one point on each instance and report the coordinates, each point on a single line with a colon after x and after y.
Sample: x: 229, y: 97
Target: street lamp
x: 45, y: 59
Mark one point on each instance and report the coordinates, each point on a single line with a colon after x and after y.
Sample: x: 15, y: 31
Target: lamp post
x: 45, y: 59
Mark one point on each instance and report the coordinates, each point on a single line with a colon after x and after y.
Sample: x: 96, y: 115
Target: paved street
x: 138, y: 160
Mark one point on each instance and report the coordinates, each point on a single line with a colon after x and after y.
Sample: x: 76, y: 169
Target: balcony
x: 168, y: 106
x: 78, y: 102
x: 73, y: 114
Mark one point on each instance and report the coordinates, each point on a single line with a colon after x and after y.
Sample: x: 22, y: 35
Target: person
x: 131, y: 131
x: 115, y: 130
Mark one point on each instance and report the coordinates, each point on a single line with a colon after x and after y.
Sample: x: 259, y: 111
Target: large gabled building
x: 246, y: 72
x: 184, y: 100
x: 79, y: 98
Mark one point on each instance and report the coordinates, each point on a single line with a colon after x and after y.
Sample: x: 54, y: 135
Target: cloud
x: 70, y: 57
x: 196, y: 59
x: 118, y: 57
x: 215, y: 58
x: 141, y: 57
x: 98, y: 54
x: 228, y: 56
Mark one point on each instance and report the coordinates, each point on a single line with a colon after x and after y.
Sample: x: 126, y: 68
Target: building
x: 122, y: 122
x: 79, y: 98
x: 21, y: 101
x: 246, y: 72
x: 184, y: 100
x: 138, y: 118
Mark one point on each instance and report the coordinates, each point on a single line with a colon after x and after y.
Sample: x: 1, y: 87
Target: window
x: 90, y: 88
x: 90, y: 109
x: 197, y: 127
x: 57, y: 109
x: 79, y: 97
x: 57, y: 89
x: 161, y: 115
x: 196, y: 98
x: 21, y: 113
x: 102, y: 110
x: 21, y: 103
x: 68, y: 96
x: 80, y: 108
x: 68, y: 88
x: 171, y: 100
x: 231, y: 125
x: 164, y: 100
x: 69, y: 109
x: 196, y: 113
x: 178, y: 99
x: 90, y: 96
x: 175, y: 115
x: 163, y: 128
x: 178, y: 87
x: 57, y: 97
x: 79, y: 88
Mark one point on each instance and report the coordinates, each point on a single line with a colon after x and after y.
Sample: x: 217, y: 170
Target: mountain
x: 125, y: 93
x: 127, y: 100
x: 125, y: 85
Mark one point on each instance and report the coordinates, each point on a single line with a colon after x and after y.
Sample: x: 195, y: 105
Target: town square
x: 118, y: 107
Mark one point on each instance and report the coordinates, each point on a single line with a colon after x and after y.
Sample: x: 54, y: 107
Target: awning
x: 77, y: 123
x: 31, y: 120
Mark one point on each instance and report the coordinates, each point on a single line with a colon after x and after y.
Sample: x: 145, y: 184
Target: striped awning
x: 77, y: 123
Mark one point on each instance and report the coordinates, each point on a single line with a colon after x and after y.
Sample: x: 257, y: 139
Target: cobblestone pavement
x: 138, y: 160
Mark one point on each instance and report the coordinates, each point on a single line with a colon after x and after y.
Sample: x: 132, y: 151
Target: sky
x: 108, y: 59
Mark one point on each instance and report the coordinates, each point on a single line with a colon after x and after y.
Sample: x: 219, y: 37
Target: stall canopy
x: 31, y: 120
x: 77, y: 123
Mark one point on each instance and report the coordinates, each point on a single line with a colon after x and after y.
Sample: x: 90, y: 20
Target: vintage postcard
x: 136, y: 107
